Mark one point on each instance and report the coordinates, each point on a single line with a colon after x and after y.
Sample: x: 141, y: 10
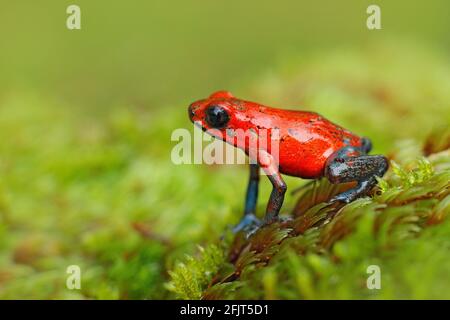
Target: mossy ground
x: 100, y: 191
x: 326, y: 251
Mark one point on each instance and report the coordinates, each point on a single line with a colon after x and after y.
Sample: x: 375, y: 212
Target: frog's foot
x: 249, y: 223
x: 345, y: 197
x: 252, y: 229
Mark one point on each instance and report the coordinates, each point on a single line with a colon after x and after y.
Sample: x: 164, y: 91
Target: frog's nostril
x: 191, y: 112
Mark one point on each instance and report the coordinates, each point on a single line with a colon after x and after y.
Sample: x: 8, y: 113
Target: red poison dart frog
x: 309, y: 146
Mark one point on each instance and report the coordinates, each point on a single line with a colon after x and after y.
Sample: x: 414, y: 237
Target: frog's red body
x: 306, y: 140
x: 309, y: 146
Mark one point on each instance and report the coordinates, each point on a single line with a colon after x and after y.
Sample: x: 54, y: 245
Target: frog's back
x: 306, y: 140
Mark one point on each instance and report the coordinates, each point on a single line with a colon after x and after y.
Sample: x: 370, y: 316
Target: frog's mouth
x: 216, y: 133
x: 198, y: 124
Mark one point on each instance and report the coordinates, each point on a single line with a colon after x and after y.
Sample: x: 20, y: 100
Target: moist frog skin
x: 308, y: 146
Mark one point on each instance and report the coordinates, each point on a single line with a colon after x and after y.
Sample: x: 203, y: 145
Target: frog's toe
x: 255, y: 227
x: 251, y: 231
x: 247, y: 223
x: 343, y: 198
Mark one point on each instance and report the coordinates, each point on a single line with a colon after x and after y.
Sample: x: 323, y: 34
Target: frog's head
x: 212, y: 113
x: 227, y: 118
x: 218, y: 113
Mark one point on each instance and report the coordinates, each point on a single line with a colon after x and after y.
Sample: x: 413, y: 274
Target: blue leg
x: 250, y: 221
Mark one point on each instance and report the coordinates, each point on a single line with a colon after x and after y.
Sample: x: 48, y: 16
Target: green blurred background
x: 86, y: 117
x: 152, y: 53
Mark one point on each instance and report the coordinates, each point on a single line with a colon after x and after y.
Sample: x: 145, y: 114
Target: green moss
x: 98, y: 190
x: 324, y: 252
x: 191, y: 277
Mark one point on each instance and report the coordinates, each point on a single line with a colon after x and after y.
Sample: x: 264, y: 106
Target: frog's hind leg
x: 352, y: 164
x: 366, y: 145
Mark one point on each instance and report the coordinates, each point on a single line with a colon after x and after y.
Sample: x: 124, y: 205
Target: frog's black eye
x: 217, y: 117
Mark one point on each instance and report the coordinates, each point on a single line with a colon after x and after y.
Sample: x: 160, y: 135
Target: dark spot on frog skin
x: 262, y: 109
x: 239, y: 105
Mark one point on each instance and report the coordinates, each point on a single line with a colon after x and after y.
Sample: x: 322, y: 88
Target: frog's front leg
x: 271, y: 169
x: 249, y: 220
x: 276, y: 197
x: 252, y: 190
